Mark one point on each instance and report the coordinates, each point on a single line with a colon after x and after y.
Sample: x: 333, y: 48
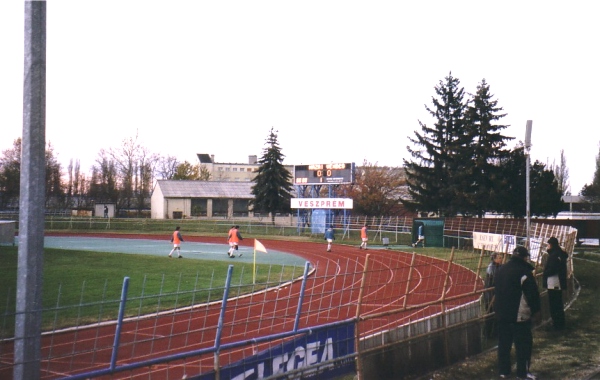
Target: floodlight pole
x: 28, y: 319
x: 528, y: 164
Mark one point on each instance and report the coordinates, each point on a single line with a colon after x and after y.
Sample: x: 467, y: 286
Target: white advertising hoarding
x: 328, y: 203
x: 494, y: 242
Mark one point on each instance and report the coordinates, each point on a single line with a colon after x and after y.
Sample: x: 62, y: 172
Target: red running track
x: 331, y: 294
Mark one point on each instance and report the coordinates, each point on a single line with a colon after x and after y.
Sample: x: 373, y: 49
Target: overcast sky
x: 341, y: 81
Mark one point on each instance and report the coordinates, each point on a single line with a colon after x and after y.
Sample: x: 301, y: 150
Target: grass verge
x: 571, y: 354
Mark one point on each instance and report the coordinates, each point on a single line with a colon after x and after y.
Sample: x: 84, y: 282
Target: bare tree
x: 166, y: 167
x: 135, y: 165
x: 377, y: 189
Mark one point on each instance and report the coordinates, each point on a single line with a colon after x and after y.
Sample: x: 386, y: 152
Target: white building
x: 175, y: 199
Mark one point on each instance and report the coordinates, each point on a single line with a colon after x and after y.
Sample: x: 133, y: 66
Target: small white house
x: 177, y: 199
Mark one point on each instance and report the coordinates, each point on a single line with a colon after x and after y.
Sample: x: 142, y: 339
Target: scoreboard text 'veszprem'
x: 333, y: 173
x: 327, y: 203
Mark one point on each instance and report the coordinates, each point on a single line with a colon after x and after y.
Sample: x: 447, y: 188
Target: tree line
x: 123, y: 175
x: 460, y: 165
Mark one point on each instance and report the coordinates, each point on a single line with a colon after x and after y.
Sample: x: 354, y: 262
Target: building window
x: 240, y: 207
x: 199, y: 207
x: 227, y: 169
x: 235, y: 169
x: 220, y: 207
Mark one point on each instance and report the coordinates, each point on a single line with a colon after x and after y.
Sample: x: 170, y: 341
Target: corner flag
x: 258, y: 246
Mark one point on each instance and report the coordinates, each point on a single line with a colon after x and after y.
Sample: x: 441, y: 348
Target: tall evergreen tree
x: 272, y: 188
x: 437, y: 174
x: 591, y: 191
x: 488, y: 148
x: 545, y: 196
x: 545, y: 193
x: 561, y: 172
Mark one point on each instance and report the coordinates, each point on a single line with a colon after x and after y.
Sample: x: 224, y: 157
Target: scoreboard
x: 324, y: 174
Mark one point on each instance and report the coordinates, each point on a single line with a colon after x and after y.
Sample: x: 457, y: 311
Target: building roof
x: 204, y: 158
x: 205, y: 189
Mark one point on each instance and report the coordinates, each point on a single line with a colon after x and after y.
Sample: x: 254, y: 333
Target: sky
x: 340, y: 81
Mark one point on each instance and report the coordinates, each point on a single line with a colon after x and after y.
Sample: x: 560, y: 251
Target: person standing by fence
x: 488, y: 297
x: 517, y: 305
x: 555, y: 280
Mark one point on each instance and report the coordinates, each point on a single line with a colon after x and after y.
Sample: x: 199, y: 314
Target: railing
x: 335, y: 312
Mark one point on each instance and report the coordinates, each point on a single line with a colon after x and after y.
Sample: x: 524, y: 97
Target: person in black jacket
x: 555, y: 280
x: 517, y: 304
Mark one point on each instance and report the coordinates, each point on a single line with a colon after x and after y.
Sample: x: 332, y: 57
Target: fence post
x: 443, y: 309
x: 479, y: 267
x: 358, y: 307
x: 301, y: 298
x: 410, y: 272
x: 115, y: 351
x: 217, y: 346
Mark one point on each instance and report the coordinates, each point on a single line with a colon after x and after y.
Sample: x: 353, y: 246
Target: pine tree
x: 592, y: 190
x: 488, y: 148
x: 441, y: 156
x: 561, y: 172
x: 546, y: 197
x: 272, y: 188
x: 544, y: 192
x: 511, y: 200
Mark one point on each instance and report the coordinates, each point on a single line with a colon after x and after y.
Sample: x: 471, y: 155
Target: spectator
x: 488, y: 297
x: 517, y: 305
x: 555, y: 280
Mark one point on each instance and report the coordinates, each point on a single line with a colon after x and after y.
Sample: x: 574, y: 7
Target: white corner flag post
x: 258, y: 246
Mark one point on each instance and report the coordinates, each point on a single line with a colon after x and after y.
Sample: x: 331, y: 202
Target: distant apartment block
x: 234, y: 172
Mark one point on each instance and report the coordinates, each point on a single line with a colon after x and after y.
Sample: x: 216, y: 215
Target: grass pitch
x: 85, y: 287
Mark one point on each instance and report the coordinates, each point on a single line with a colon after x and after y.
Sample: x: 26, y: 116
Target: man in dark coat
x: 517, y: 304
x: 555, y: 280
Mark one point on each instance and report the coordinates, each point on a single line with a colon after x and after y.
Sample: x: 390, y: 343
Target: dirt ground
x: 573, y: 354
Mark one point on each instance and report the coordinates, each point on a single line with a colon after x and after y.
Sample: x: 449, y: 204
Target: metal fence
x: 336, y: 315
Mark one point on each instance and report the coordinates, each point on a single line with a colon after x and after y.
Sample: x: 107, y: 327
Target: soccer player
x: 176, y: 239
x: 364, y: 237
x: 234, y: 238
x: 330, y: 237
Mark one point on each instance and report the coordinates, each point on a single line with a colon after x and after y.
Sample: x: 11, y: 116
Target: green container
x: 433, y: 230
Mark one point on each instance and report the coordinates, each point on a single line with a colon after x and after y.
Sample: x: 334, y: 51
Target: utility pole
x: 528, y: 165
